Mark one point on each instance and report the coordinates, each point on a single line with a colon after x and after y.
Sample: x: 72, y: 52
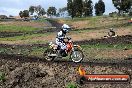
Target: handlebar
x: 68, y: 38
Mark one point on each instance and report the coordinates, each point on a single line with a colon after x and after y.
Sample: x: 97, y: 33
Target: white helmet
x: 65, y: 28
x: 111, y: 29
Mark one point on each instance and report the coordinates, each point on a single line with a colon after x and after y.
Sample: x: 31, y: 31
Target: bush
x: 71, y: 85
x: 3, y: 17
x: 113, y: 14
x: 2, y: 76
x: 130, y: 13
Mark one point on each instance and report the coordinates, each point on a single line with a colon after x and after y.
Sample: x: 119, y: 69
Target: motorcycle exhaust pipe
x: 52, y: 55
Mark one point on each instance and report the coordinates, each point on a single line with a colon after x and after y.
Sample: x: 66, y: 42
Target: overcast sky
x: 13, y: 7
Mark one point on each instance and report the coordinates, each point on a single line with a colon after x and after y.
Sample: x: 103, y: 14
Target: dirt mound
x: 55, y: 23
x: 34, y: 75
x: 53, y: 75
x: 27, y: 75
x: 126, y: 39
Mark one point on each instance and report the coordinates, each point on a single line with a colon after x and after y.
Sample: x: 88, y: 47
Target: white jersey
x: 60, y: 41
x: 60, y: 35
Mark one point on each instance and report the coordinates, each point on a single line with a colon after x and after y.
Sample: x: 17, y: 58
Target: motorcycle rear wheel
x: 47, y: 53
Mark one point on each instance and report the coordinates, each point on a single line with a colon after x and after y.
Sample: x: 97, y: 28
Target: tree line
x: 79, y: 8
x: 83, y: 8
x: 38, y: 10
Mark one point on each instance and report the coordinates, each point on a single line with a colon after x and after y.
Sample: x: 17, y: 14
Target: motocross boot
x: 62, y: 53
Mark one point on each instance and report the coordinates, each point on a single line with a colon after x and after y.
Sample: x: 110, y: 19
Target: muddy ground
x: 125, y: 39
x: 33, y: 72
x: 23, y: 72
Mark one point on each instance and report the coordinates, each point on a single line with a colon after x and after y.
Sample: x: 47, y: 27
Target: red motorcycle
x: 73, y: 51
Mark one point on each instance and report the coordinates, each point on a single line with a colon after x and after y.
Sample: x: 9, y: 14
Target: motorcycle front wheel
x: 77, y: 56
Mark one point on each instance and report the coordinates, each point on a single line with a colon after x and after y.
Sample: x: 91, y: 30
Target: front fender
x: 77, y: 47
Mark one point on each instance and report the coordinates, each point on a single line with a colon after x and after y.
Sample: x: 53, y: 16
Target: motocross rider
x: 61, y: 35
x: 111, y: 32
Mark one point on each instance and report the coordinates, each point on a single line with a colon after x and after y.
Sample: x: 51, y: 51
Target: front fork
x: 73, y: 51
x: 76, y: 47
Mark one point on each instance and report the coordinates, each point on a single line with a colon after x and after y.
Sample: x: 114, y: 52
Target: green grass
x: 24, y: 37
x: 95, y: 18
x: 129, y: 26
x: 2, y: 76
x: 97, y: 21
x: 11, y: 28
x: 83, y: 18
x: 37, y: 52
x: 41, y: 20
x: 71, y: 85
x: 100, y: 51
x: 32, y: 51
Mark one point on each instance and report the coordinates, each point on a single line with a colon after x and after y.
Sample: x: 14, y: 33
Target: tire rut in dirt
x: 10, y: 34
x: 23, y: 45
x: 23, y: 59
x: 55, y: 23
x: 125, y: 39
x: 24, y: 73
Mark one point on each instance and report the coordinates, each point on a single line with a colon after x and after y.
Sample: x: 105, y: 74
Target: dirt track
x: 27, y: 72
x: 43, y: 27
x: 32, y: 72
x: 126, y: 39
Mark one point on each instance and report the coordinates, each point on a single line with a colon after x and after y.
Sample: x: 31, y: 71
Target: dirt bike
x: 73, y: 51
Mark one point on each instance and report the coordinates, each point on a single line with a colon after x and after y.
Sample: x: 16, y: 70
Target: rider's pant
x: 61, y: 44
